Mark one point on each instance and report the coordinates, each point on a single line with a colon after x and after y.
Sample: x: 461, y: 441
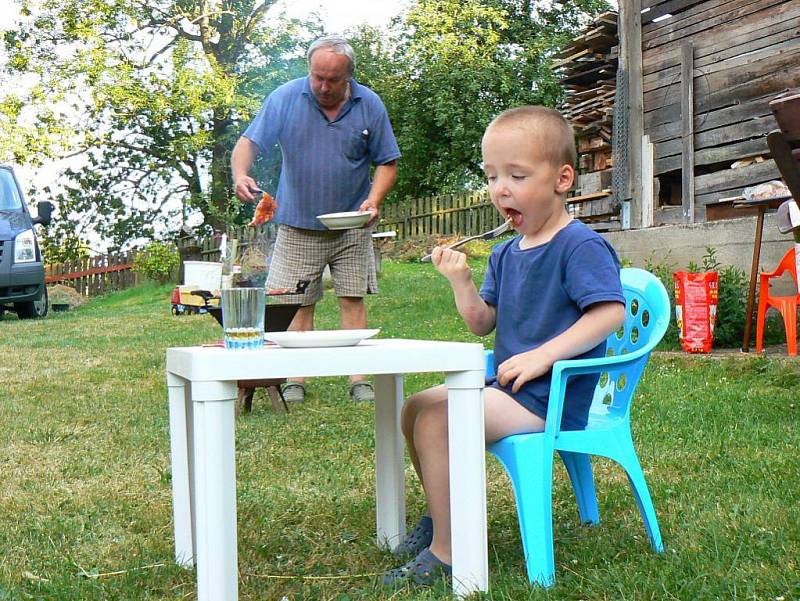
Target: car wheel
x: 35, y: 309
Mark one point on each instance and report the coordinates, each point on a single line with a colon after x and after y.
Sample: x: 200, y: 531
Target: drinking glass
x: 243, y: 317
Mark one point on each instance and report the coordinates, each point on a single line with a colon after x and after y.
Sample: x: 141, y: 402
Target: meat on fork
x: 264, y: 210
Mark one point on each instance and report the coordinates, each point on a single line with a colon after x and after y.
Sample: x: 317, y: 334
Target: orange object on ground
x: 264, y: 210
x: 785, y: 305
x: 696, y: 296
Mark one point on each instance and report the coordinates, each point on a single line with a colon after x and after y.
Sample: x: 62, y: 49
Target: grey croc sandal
x: 362, y: 392
x: 294, y: 392
x: 425, y: 569
x: 416, y: 540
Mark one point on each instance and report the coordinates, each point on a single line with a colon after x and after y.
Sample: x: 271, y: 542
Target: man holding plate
x: 330, y: 129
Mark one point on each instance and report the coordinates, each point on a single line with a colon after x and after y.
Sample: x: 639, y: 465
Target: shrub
x: 663, y: 271
x: 159, y: 262
x: 731, y: 303
x: 477, y: 249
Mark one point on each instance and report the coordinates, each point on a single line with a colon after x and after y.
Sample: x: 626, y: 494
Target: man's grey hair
x: 338, y: 46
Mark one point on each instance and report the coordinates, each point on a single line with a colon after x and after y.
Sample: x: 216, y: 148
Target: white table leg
x: 215, y: 489
x: 180, y: 440
x: 467, y: 482
x: 390, y: 499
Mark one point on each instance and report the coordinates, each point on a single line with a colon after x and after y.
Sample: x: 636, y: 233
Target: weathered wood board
x: 745, y: 53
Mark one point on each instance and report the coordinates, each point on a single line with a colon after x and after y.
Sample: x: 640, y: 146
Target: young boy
x: 551, y: 293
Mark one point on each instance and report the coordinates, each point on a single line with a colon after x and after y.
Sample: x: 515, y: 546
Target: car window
x: 9, y: 195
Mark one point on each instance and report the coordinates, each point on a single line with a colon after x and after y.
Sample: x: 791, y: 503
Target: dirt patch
x: 777, y: 351
x: 414, y: 249
x: 61, y: 294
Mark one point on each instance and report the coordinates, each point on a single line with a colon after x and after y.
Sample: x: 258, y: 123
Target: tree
x: 155, y: 93
x: 455, y: 64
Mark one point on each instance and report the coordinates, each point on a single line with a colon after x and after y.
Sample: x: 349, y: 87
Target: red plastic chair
x: 785, y: 305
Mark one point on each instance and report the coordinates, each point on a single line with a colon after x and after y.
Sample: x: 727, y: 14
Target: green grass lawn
x: 85, y: 507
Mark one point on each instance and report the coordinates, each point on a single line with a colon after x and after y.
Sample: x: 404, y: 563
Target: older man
x: 330, y: 129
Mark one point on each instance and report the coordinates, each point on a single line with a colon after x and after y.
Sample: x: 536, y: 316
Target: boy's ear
x: 566, y: 177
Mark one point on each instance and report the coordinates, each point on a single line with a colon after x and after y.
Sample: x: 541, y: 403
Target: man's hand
x: 370, y: 206
x: 452, y: 265
x: 244, y: 186
x: 523, y: 368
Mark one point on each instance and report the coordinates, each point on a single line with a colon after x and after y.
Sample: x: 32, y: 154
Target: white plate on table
x: 319, y: 338
x: 345, y: 221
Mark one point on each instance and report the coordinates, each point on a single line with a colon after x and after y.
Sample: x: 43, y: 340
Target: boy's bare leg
x: 416, y: 403
x: 503, y: 417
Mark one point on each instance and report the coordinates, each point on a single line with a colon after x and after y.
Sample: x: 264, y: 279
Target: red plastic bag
x: 696, y: 297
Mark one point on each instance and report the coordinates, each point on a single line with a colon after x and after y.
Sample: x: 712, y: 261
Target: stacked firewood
x: 587, y: 68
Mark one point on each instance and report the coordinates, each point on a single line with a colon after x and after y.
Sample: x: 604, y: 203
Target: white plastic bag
x: 773, y: 189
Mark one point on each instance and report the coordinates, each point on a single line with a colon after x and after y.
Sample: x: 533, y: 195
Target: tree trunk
x: 221, y: 185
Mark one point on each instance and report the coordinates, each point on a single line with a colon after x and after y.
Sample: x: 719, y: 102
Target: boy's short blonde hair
x: 548, y: 125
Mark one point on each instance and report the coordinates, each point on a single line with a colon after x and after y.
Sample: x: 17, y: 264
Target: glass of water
x: 243, y: 317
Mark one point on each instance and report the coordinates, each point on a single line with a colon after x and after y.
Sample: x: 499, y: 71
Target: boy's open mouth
x: 514, y: 215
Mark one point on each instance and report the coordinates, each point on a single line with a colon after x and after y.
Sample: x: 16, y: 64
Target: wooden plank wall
x: 745, y: 53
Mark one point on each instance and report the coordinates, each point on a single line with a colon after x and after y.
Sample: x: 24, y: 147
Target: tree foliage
x: 152, y: 95
x: 452, y: 66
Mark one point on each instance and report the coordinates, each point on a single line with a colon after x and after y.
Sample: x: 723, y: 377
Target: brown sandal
x: 362, y: 392
x: 294, y: 392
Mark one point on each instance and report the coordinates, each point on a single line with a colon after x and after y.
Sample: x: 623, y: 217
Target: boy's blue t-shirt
x: 539, y: 293
x: 325, y: 164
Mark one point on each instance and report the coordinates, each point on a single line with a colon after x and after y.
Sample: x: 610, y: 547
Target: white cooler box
x: 206, y: 275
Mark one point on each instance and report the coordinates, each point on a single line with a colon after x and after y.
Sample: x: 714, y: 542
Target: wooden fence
x: 207, y: 249
x: 94, y: 275
x: 462, y: 214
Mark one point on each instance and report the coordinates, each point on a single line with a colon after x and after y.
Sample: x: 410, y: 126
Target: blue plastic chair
x: 528, y: 458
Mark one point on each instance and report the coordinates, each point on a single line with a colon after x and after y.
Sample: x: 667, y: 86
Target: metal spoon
x: 490, y: 235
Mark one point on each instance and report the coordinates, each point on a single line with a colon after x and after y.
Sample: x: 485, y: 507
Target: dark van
x: 22, y: 286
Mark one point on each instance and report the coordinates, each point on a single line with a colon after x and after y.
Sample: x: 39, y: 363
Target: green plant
x: 731, y: 307
x: 663, y: 271
x: 731, y: 302
x: 158, y: 262
x: 477, y: 249
x: 709, y: 262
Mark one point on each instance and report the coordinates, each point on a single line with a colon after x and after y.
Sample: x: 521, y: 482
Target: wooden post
x: 630, y: 32
x: 751, y: 292
x: 687, y: 139
x: 648, y: 193
x: 131, y: 281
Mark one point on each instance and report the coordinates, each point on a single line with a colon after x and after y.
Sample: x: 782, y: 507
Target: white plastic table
x: 202, y: 392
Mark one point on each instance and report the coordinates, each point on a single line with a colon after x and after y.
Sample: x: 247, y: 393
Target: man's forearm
x: 382, y: 182
x: 242, y: 158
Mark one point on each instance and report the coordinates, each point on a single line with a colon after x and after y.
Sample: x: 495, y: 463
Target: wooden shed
x: 698, y: 77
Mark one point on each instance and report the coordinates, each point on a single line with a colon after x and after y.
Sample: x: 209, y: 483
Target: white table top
x: 374, y: 356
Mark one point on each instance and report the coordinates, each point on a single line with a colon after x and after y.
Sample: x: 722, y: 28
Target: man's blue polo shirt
x: 325, y: 163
